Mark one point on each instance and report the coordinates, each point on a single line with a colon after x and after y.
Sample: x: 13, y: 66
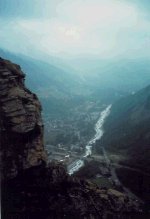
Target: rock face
x: 31, y: 188
x: 21, y: 128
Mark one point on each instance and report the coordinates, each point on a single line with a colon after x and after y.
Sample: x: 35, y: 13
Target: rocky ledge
x: 32, y: 188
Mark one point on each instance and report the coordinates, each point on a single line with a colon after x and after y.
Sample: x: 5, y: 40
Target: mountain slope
x: 120, y: 74
x: 40, y: 73
x: 127, y: 129
x: 61, y: 91
x: 55, y: 87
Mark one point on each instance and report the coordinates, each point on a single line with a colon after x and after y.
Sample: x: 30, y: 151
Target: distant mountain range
x: 127, y: 129
x: 121, y: 74
x: 42, y: 75
x: 56, y: 88
x: 61, y: 87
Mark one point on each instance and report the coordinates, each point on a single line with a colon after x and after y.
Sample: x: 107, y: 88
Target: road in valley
x: 115, y: 178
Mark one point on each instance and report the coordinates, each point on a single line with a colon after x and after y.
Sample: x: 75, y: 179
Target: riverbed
x: 76, y: 165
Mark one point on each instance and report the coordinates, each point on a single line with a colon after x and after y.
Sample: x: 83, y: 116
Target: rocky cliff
x: 31, y: 188
x: 21, y: 128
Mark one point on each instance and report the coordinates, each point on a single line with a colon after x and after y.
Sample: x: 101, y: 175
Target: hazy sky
x: 102, y: 28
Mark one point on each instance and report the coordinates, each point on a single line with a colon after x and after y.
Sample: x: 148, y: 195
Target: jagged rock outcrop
x: 49, y: 193
x: 31, y: 188
x: 21, y: 127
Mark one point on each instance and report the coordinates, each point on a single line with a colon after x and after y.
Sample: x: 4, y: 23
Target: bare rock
x: 21, y: 127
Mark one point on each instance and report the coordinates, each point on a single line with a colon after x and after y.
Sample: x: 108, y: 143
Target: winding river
x: 76, y: 165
